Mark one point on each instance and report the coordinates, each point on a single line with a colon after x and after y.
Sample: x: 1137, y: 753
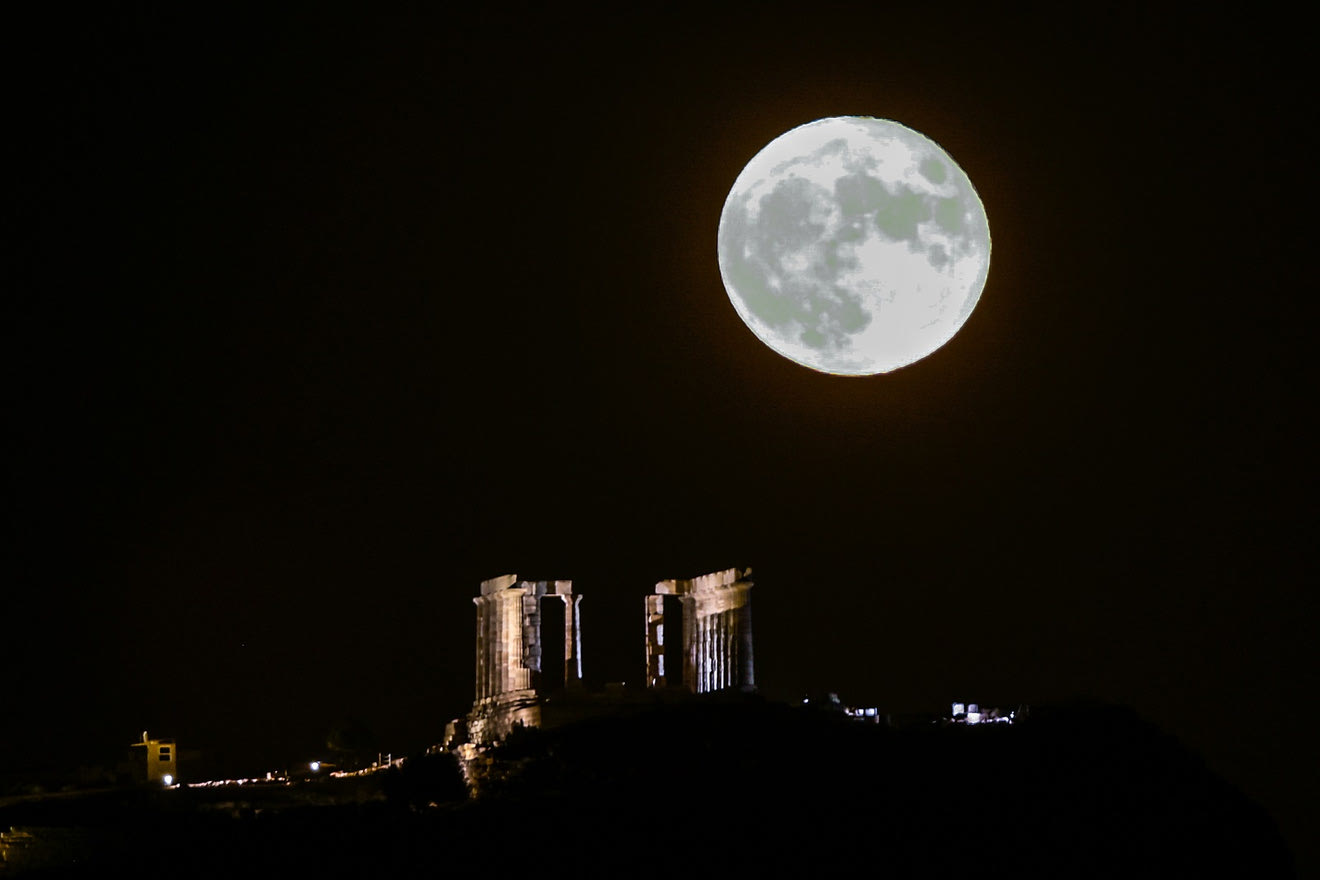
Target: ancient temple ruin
x: 699, y: 633
x: 698, y: 639
x: 529, y: 645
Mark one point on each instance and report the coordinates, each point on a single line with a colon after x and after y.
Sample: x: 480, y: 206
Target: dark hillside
x: 1078, y: 791
x: 708, y: 788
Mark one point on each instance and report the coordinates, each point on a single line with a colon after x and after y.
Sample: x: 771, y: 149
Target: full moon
x: 853, y: 245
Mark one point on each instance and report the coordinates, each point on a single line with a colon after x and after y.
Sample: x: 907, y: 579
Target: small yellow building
x: 161, y: 757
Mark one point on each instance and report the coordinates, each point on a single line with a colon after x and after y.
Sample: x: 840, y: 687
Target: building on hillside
x: 158, y: 762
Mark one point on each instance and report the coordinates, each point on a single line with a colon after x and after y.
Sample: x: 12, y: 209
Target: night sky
x: 317, y: 320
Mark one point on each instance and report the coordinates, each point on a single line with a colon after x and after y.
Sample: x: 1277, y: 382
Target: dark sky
x: 320, y: 319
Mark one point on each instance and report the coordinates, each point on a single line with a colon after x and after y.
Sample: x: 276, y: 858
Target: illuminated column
x: 570, y: 643
x: 731, y: 651
x: 691, y: 645
x: 698, y: 657
x: 517, y: 663
x: 513, y: 641
x: 712, y: 652
x: 497, y: 647
x: 712, y: 660
x: 703, y: 652
x: 708, y: 648
x: 659, y: 635
x: 735, y: 632
x: 720, y: 656
x: 747, y: 674
x: 492, y: 614
x: 732, y: 617
x: 727, y: 651
x: 717, y: 654
x: 573, y: 632
x: 501, y: 648
x: 481, y: 651
x: 497, y: 655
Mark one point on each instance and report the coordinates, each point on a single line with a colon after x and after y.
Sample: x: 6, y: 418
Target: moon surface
x: 853, y: 245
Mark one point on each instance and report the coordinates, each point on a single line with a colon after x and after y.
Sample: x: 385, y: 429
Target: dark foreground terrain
x: 706, y: 789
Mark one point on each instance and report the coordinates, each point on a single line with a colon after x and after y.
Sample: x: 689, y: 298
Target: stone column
x: 721, y: 655
x: 691, y: 644
x: 481, y: 653
x: 698, y: 657
x: 508, y: 634
x: 513, y: 652
x: 496, y: 653
x: 717, y: 647
x: 573, y: 625
x: 703, y: 655
x: 747, y: 674
x: 712, y: 656
x: 655, y: 634
x: 726, y: 628
x: 711, y: 659
x: 735, y: 660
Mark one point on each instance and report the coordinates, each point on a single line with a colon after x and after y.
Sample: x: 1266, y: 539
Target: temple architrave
x: 699, y: 633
